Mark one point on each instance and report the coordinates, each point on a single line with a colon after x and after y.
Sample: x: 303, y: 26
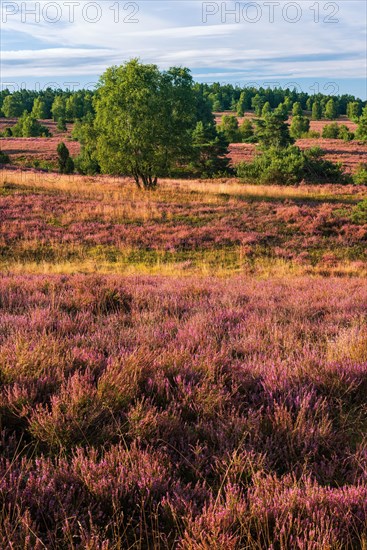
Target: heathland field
x: 182, y: 368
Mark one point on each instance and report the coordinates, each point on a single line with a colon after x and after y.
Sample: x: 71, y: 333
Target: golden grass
x: 118, y: 189
x: 350, y: 343
x: 261, y: 268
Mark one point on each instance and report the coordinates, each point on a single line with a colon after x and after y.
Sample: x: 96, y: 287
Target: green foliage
x: 274, y: 166
x: 312, y: 134
x: 247, y: 131
x: 331, y: 109
x: 273, y: 131
x: 84, y: 132
x: 359, y: 214
x: 345, y: 133
x: 7, y: 132
x: 4, y: 158
x: 211, y: 151
x: 65, y: 162
x: 316, y: 111
x: 39, y: 109
x: 360, y: 176
x: 12, y: 106
x: 337, y: 131
x: 361, y: 132
x: 290, y: 165
x: 28, y: 126
x: 320, y: 170
x: 144, y: 121
x: 58, y: 108
x: 354, y: 110
x: 300, y: 125
x: 61, y: 125
x: 297, y: 109
x: 229, y: 127
x: 266, y: 109
x: 257, y: 104
x: 282, y: 111
x: 331, y: 131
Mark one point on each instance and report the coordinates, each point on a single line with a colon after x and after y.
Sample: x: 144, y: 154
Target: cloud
x: 170, y: 33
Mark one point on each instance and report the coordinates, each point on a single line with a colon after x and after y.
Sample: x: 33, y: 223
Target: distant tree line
x: 70, y: 105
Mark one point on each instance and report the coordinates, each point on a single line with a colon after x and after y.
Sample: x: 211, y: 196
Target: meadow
x: 184, y: 368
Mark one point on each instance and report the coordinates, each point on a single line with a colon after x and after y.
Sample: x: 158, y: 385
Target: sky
x: 311, y: 45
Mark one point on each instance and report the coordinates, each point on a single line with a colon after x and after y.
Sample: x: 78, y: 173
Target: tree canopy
x: 144, y: 120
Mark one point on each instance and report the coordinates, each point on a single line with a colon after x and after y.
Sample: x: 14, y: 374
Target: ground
x: 184, y: 368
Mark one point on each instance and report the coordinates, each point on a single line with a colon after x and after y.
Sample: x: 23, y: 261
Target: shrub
x: 229, y: 128
x: 28, y: 126
x: 282, y: 166
x: 7, y: 132
x: 331, y: 131
x: 247, y: 131
x: 359, y: 213
x: 61, y: 125
x: 318, y: 169
x: 290, y: 165
x: 311, y: 134
x: 360, y: 176
x: 336, y: 131
x: 4, y: 158
x: 66, y: 164
x: 344, y: 133
x: 300, y: 125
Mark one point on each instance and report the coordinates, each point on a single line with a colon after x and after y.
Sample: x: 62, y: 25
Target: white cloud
x: 173, y: 33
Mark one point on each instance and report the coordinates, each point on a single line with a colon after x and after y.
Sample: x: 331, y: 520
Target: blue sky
x: 311, y: 45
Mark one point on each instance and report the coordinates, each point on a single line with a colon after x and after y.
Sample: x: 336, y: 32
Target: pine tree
x: 361, y: 132
x: 297, y: 109
x: 316, y: 111
x: 211, y: 149
x: 66, y: 164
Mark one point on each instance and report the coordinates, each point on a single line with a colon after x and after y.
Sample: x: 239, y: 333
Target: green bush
x: 360, y: 176
x: 28, y: 126
x: 337, y: 131
x: 7, y: 132
x: 345, y: 133
x: 4, y: 158
x: 311, y: 134
x: 290, y: 165
x: 319, y: 169
x: 331, y: 131
x: 359, y: 214
x: 282, y: 166
x: 66, y: 164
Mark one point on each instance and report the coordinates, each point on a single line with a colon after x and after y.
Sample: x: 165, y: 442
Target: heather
x: 68, y: 223
x: 155, y: 412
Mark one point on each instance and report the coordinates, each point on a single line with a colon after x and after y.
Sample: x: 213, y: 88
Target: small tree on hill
x: 300, y: 125
x: 297, y: 109
x: 229, y: 127
x: 354, y: 110
x: 39, y: 108
x: 331, y: 110
x: 211, y: 150
x: 28, y: 126
x: 273, y: 131
x: 316, y: 111
x: 266, y: 109
x: 58, y: 108
x: 246, y: 130
x: 361, y: 132
x: 66, y: 164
